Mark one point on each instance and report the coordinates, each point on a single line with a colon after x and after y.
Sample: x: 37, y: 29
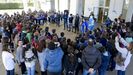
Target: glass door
x: 103, y: 10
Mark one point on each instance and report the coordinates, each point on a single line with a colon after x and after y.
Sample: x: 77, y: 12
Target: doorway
x: 102, y: 14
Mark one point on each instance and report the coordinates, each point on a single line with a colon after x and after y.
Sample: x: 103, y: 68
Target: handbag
x: 119, y: 59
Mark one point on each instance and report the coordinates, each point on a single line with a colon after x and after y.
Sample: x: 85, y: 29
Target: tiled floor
x: 68, y: 35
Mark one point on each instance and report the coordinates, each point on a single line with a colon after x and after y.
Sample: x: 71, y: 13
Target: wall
x: 115, y: 8
x: 73, y: 7
x: 79, y: 7
x: 91, y: 6
x: 129, y: 11
x: 63, y: 5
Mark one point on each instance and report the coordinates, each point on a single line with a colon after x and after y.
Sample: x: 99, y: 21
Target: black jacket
x: 91, y: 58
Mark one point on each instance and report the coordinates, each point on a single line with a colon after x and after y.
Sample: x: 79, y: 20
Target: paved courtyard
x: 68, y: 35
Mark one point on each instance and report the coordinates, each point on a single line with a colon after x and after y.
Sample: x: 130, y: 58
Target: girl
x: 8, y: 60
x: 29, y: 56
x: 41, y: 55
x: 126, y: 53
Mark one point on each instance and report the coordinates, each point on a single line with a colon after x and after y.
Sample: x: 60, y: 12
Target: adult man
x: 77, y: 22
x: 65, y: 20
x: 91, y: 59
x: 70, y: 26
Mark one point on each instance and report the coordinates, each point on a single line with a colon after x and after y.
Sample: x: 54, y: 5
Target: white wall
x: 25, y: 5
x: 63, y: 5
x: 53, y: 5
x: 56, y: 5
x: 115, y: 8
x: 73, y: 7
x: 79, y: 7
x: 129, y: 11
x: 91, y: 6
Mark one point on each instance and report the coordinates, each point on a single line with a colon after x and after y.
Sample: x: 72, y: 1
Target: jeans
x: 31, y: 70
x: 101, y: 72
x: 53, y: 73
x: 119, y: 72
x: 65, y: 25
x: 10, y: 72
x: 85, y: 72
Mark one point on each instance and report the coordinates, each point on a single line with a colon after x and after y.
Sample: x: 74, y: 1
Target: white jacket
x: 8, y: 61
x: 125, y: 54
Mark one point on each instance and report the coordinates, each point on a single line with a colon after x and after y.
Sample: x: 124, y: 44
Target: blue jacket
x: 83, y: 27
x: 53, y: 60
x: 105, y: 62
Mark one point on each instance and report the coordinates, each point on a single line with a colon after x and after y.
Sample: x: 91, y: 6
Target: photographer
x: 124, y: 58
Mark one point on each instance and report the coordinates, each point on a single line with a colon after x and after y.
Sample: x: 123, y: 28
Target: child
x: 8, y: 60
x: 105, y: 61
x: 19, y: 57
x: 70, y: 62
x: 30, y: 57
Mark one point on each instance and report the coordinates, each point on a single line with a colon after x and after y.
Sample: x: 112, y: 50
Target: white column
x: 25, y: 4
x: 52, y: 5
x: 56, y: 5
x: 129, y: 11
x: 69, y: 2
x: 115, y: 8
x: 73, y: 7
x: 63, y: 5
x: 79, y: 7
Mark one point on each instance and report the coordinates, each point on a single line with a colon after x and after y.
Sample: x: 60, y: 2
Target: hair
x: 102, y: 49
x: 42, y: 45
x: 131, y: 47
x: 46, y: 29
x: 70, y: 49
x: 62, y: 34
x: 54, y: 30
x: 5, y: 40
x: 51, y: 45
x: 69, y: 41
x: 5, y: 47
x: 25, y: 41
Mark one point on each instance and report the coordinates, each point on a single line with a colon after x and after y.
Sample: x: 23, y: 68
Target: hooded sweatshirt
x: 53, y: 60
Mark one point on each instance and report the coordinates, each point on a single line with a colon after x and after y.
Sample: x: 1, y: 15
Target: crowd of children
x: 93, y: 51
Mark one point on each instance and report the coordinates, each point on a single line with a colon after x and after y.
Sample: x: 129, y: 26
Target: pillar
x: 69, y: 5
x: 52, y: 5
x: 79, y: 7
x: 63, y: 5
x: 73, y: 7
x: 25, y: 4
x: 129, y: 11
x: 115, y: 8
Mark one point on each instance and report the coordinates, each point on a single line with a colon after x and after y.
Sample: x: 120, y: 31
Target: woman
x: 30, y: 57
x: 41, y: 55
x: 8, y: 60
x: 53, y: 60
x: 126, y: 53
